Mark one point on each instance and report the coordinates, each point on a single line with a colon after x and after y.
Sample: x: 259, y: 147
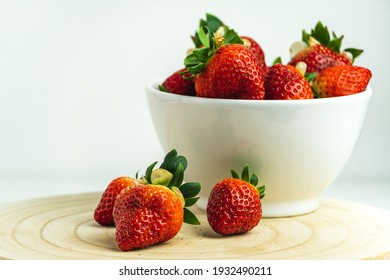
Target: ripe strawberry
x: 234, y: 205
x: 147, y: 215
x: 179, y: 84
x: 103, y: 212
x: 255, y: 48
x: 319, y: 57
x: 286, y: 82
x: 225, y: 68
x: 231, y: 73
x: 321, y: 51
x: 153, y: 209
x: 341, y: 80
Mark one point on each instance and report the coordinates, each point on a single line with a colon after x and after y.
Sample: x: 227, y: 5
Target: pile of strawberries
x: 151, y: 209
x: 224, y: 64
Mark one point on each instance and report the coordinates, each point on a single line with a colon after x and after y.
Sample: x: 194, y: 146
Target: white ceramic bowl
x: 296, y: 147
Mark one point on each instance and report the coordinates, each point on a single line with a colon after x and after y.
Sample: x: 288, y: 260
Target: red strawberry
x: 153, y: 209
x: 322, y: 51
x: 179, y: 84
x: 255, y: 48
x: 231, y: 73
x: 234, y: 204
x: 341, y: 80
x: 147, y: 215
x: 225, y: 68
x: 319, y: 57
x: 286, y: 82
x: 103, y: 212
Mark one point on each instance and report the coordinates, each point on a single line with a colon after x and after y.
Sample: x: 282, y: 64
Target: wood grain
x: 62, y: 227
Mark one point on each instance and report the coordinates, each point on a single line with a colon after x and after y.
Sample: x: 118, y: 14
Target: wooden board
x: 62, y: 227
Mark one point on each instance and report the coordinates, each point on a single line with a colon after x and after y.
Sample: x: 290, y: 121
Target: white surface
x: 72, y: 78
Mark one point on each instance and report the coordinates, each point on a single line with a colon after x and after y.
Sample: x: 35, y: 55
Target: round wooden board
x: 62, y: 227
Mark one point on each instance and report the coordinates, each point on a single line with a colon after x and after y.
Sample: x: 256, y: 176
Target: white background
x: 73, y: 114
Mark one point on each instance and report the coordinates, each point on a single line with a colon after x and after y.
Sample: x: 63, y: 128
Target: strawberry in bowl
x: 296, y: 124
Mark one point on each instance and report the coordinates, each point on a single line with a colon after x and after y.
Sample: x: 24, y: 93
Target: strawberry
x: 154, y: 208
x: 341, y: 80
x: 286, y: 82
x: 225, y: 68
x: 319, y: 51
x: 255, y: 48
x: 179, y: 84
x: 103, y: 212
x: 319, y: 57
x: 234, y: 204
x: 151, y: 214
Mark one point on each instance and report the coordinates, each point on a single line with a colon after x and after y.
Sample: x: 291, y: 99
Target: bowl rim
x: 152, y: 88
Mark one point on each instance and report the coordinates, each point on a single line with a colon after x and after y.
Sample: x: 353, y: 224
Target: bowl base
x: 281, y: 209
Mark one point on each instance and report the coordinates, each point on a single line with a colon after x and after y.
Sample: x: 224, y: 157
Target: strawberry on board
x: 285, y: 82
x: 319, y: 50
x: 234, y: 205
x: 149, y: 214
x: 154, y: 208
x: 341, y: 80
x: 179, y: 84
x: 103, y: 212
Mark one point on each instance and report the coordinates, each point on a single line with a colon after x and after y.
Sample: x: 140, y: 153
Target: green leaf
x: 305, y: 37
x: 245, y: 173
x: 201, y: 54
x: 213, y: 23
x: 261, y: 191
x: 148, y: 172
x: 172, y: 161
x: 355, y: 52
x: 162, y: 88
x: 196, y: 41
x: 192, y: 63
x: 310, y: 76
x: 190, y: 189
x: 190, y: 218
x: 277, y: 60
x: 197, y: 69
x: 190, y: 201
x: 335, y: 44
x: 204, y: 37
x: 173, y: 166
x: 169, y: 157
x: 254, y: 180
x: 231, y: 37
x: 234, y: 174
x: 178, y: 176
x: 321, y: 33
x: 191, y: 60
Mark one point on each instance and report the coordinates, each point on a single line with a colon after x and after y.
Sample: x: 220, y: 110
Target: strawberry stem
x: 161, y: 177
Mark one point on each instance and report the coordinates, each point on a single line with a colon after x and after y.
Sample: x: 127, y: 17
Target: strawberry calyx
x: 171, y: 175
x: 320, y: 34
x: 212, y: 23
x: 252, y: 179
x: 212, y: 35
